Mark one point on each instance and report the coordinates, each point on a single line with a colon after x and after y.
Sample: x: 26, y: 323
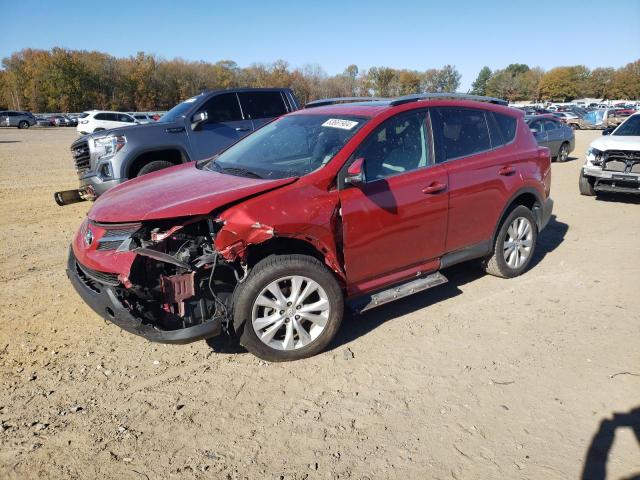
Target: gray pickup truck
x: 197, y: 128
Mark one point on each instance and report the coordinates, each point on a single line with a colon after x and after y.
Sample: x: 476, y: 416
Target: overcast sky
x: 335, y: 33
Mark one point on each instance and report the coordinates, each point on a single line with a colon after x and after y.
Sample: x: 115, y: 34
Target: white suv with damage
x: 613, y: 161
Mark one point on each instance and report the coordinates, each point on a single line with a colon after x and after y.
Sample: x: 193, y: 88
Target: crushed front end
x: 161, y: 280
x: 613, y: 170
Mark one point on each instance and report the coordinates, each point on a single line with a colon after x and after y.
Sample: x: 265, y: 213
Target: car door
x: 394, y: 224
x: 225, y: 125
x: 261, y: 107
x: 481, y: 172
x: 553, y: 129
x: 539, y: 133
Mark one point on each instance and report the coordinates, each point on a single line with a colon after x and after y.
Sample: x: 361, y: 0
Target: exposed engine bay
x: 178, y: 279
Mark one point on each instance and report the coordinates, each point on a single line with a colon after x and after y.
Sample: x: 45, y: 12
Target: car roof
x: 544, y: 116
x: 376, y: 107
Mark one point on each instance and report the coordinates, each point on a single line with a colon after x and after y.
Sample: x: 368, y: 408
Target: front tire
x: 563, y: 153
x: 290, y: 307
x: 154, y: 167
x: 514, y: 245
x: 585, y: 185
x: 23, y: 125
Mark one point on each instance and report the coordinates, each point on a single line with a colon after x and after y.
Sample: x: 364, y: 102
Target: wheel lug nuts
x: 281, y: 312
x: 288, y: 304
x: 298, y: 307
x: 297, y: 317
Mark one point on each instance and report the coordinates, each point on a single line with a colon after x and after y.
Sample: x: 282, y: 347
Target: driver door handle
x: 435, y: 187
x: 507, y: 170
x: 174, y: 129
x: 242, y: 129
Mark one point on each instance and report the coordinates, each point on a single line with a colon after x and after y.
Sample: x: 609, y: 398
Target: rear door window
x: 550, y: 125
x: 507, y: 125
x: 223, y: 108
x: 459, y: 132
x: 262, y: 104
x: 101, y: 116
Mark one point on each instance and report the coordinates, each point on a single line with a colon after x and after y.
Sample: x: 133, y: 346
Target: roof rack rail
x: 438, y: 96
x: 333, y: 101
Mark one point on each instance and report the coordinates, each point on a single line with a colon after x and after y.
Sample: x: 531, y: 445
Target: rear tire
x: 154, y: 167
x: 308, y: 312
x: 585, y: 185
x: 514, y: 245
x: 23, y: 125
x: 575, y: 126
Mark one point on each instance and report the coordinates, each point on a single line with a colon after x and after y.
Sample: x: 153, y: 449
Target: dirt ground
x: 479, y: 378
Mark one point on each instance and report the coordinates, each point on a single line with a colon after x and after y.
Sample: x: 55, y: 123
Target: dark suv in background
x: 195, y: 129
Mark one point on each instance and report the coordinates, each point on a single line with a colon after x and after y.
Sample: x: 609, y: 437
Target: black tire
x: 23, y: 124
x: 563, y: 153
x: 496, y: 264
x: 586, y: 186
x: 269, y: 270
x: 575, y: 126
x: 154, y: 167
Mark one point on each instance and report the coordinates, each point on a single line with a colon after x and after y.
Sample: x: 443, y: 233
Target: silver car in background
x: 550, y: 132
x: 11, y: 118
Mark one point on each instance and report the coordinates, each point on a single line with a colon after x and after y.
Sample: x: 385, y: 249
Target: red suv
x: 352, y: 204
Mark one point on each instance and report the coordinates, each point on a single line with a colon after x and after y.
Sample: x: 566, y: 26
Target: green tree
x: 479, y: 86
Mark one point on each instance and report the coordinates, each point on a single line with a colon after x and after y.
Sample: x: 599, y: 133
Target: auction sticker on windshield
x: 339, y: 123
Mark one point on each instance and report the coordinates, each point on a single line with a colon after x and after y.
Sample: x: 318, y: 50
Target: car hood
x: 617, y: 142
x: 178, y: 191
x: 129, y: 130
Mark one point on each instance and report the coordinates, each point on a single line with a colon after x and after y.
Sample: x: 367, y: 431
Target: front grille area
x: 87, y: 275
x: 624, y: 161
x: 81, y: 156
x: 115, y: 234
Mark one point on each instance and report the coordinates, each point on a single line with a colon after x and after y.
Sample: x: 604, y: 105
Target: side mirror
x: 607, y: 131
x: 355, y: 173
x: 198, y: 118
x: 535, y: 131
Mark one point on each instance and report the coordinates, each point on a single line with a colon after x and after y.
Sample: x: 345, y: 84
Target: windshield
x: 179, y: 111
x: 629, y: 128
x: 291, y: 146
x: 595, y: 117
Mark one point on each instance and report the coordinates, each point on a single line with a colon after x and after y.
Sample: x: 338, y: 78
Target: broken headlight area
x: 177, y: 279
x: 594, y: 157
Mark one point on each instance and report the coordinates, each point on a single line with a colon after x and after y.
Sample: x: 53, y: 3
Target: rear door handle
x: 242, y: 129
x: 506, y: 171
x: 435, y: 187
x: 174, y: 129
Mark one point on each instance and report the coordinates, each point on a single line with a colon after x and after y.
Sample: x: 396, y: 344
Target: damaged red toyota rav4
x: 339, y: 204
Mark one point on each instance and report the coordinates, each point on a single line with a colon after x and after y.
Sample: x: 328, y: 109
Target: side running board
x: 367, y: 302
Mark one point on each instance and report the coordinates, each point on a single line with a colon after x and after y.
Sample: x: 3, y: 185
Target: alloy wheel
x: 564, y: 153
x: 290, y: 312
x: 518, y: 242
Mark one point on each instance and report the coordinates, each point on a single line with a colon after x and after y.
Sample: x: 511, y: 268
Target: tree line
x: 74, y: 80
x: 562, y: 84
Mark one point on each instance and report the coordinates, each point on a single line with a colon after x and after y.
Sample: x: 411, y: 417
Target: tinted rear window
x: 507, y: 126
x: 223, y: 108
x: 459, y: 132
x: 262, y: 104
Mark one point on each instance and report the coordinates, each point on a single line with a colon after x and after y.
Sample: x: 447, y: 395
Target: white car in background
x: 97, y: 120
x: 142, y: 118
x: 613, y: 160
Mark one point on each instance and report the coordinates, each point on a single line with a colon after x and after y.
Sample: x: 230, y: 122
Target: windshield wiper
x: 239, y: 171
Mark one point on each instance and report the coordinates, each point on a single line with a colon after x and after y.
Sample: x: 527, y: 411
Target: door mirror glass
x: 607, y: 131
x: 355, y: 173
x: 198, y: 119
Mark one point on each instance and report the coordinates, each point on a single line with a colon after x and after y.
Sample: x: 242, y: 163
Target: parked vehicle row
x: 550, y: 132
x: 271, y: 238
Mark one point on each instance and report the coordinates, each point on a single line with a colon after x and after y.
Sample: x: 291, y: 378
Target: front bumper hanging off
x: 101, y: 297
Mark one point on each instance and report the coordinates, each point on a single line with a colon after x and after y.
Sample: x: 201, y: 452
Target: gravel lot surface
x: 479, y: 378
